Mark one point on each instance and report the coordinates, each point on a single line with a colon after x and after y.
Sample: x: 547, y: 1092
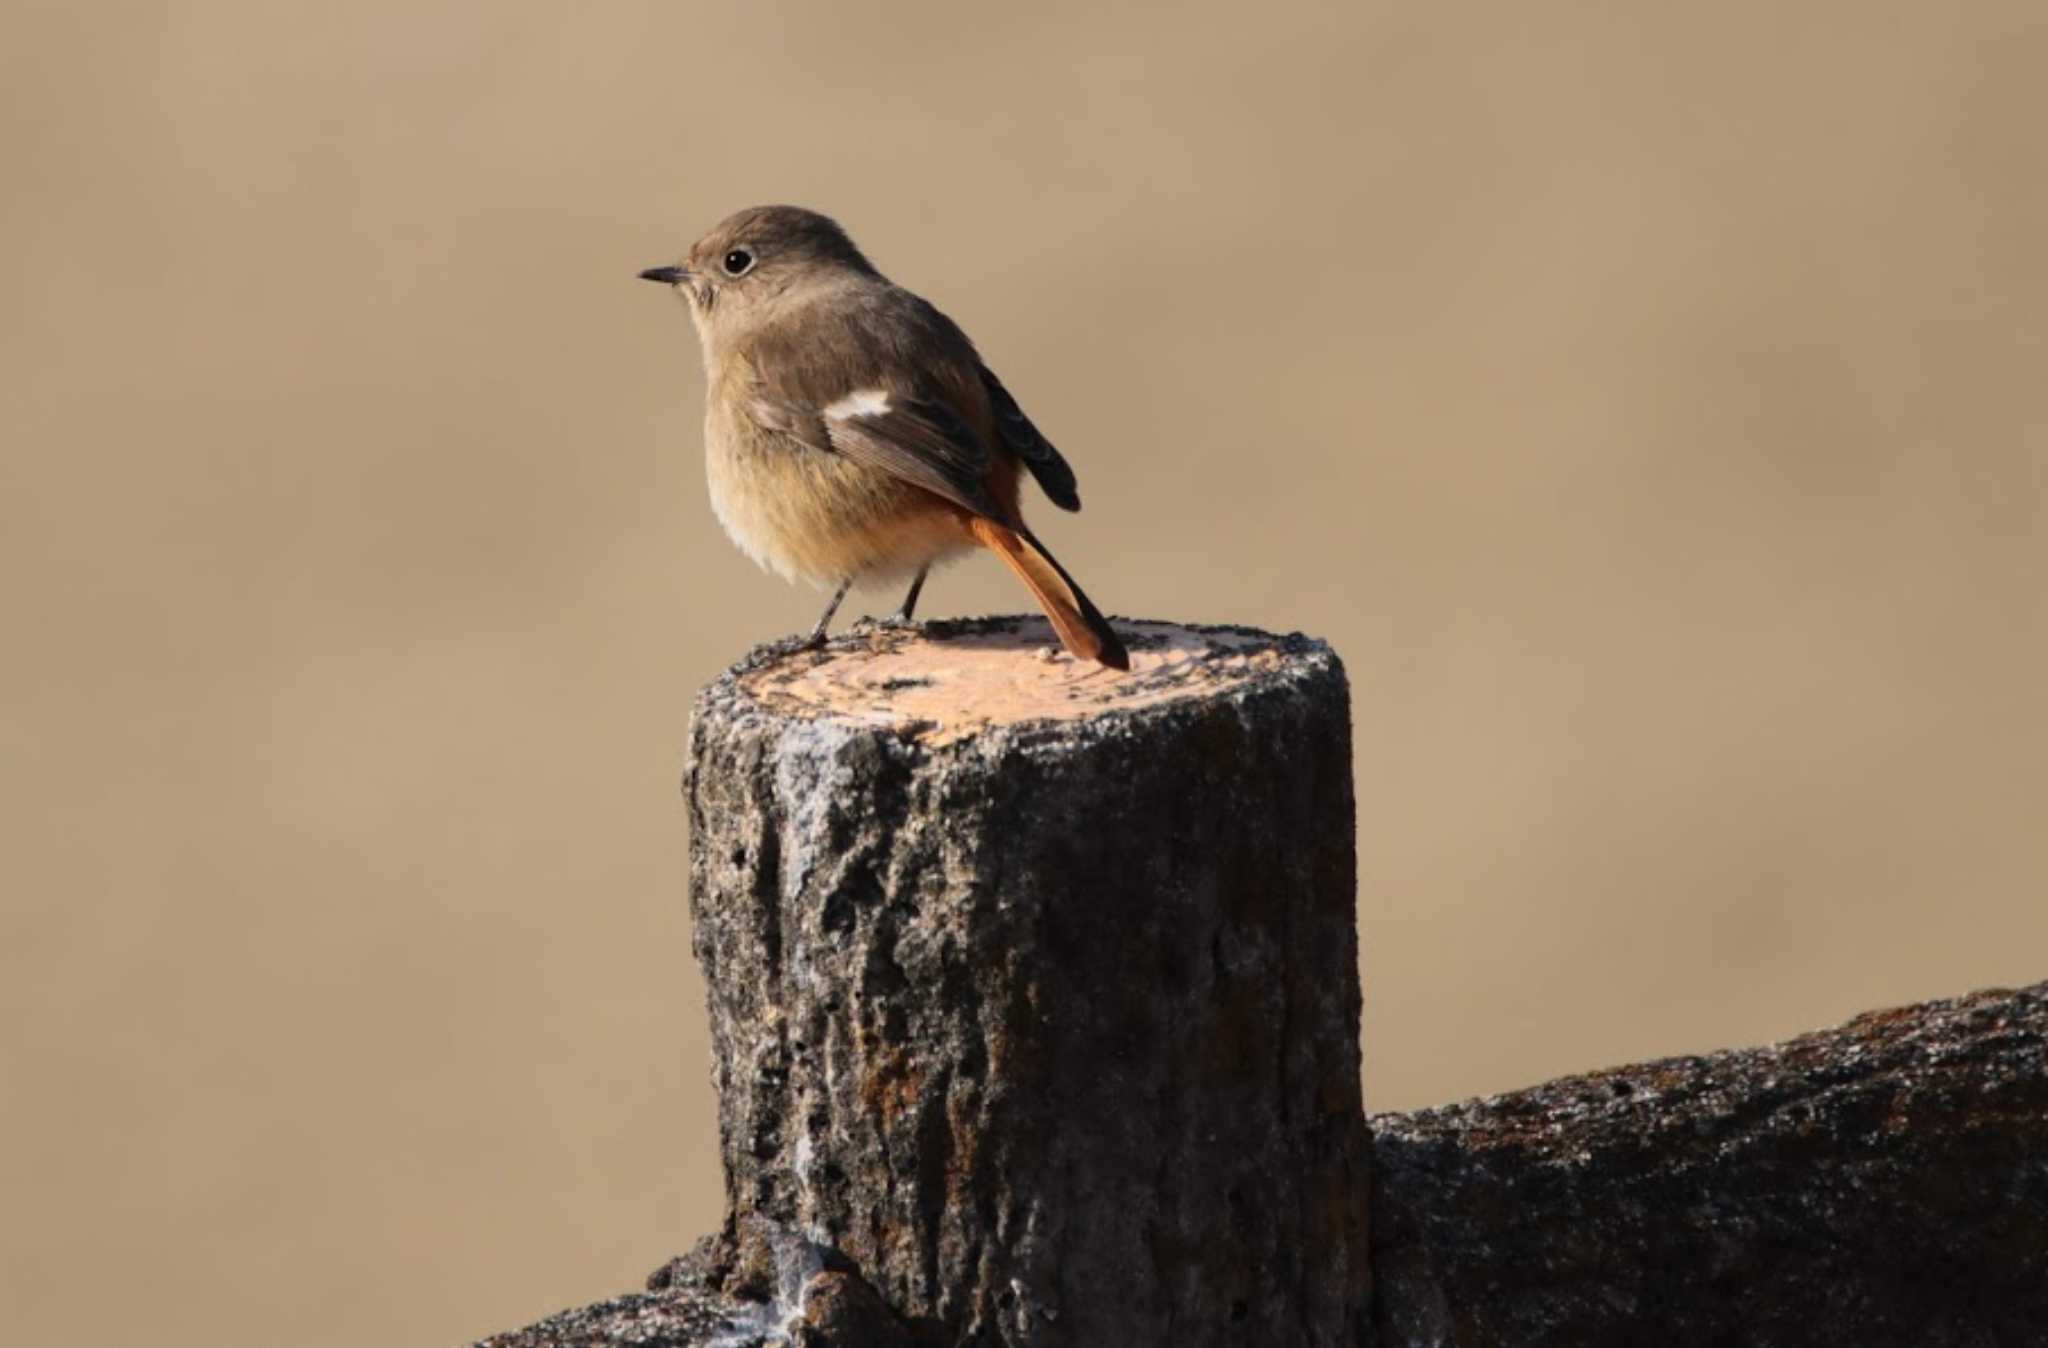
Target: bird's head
x: 755, y: 256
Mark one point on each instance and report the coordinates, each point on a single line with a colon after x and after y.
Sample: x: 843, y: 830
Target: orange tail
x: 1081, y: 626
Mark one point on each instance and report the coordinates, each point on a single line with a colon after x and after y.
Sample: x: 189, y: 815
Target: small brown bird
x: 851, y: 432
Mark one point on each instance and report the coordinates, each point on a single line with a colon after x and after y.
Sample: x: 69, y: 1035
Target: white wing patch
x: 867, y: 402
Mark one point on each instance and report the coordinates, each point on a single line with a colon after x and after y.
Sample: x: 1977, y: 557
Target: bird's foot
x: 894, y: 622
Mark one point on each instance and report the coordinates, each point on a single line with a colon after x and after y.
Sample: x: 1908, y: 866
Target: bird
x: 852, y: 432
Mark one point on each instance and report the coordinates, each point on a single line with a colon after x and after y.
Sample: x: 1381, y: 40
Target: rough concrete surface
x: 1051, y: 1027
x: 1039, y: 1026
x: 1883, y: 1183
x: 763, y: 1287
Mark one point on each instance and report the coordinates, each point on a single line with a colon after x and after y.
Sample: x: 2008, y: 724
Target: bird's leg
x: 909, y: 606
x: 817, y: 636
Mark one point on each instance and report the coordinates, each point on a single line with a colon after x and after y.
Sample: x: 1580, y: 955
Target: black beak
x: 668, y: 276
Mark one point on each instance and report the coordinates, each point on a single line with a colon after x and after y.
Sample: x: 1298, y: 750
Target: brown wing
x: 887, y: 381
x: 1036, y: 452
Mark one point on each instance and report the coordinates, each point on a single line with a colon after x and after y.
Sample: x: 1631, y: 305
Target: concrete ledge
x: 1881, y: 1183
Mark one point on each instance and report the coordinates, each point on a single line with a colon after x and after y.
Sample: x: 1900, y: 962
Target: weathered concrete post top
x: 1034, y: 1010
x: 1033, y: 986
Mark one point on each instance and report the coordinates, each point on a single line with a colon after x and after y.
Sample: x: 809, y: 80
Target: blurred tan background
x: 1646, y: 400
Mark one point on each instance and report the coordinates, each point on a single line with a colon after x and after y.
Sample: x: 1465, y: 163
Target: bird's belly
x: 822, y: 519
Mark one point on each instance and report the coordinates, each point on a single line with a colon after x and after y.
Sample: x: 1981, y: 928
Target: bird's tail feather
x: 1082, y: 628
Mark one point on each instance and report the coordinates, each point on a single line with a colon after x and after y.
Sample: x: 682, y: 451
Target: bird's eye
x: 737, y: 262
